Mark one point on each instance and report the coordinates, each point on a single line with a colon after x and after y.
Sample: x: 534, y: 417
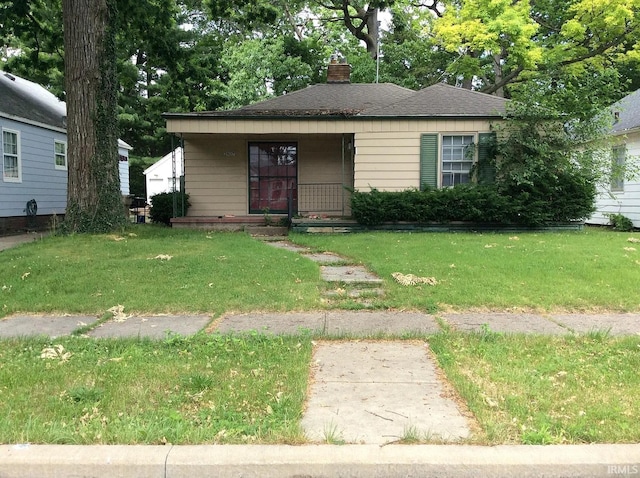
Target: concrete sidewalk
x: 11, y: 241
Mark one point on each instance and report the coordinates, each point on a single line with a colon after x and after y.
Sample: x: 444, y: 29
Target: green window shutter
x: 428, y: 160
x: 486, y: 154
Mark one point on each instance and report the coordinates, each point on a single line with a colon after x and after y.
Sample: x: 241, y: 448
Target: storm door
x: 273, y: 172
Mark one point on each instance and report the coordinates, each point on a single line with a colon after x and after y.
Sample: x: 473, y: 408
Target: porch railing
x: 323, y: 198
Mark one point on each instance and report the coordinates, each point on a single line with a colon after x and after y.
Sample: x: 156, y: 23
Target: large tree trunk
x: 94, y: 203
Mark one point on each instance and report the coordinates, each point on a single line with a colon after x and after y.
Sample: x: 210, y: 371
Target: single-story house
x: 34, y: 155
x: 622, y: 196
x: 160, y: 176
x: 304, y: 151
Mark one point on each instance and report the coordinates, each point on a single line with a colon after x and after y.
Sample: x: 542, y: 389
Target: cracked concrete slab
x: 348, y: 274
x: 52, y: 326
x: 153, y: 327
x: 324, y: 257
x: 274, y: 323
x: 615, y: 324
x: 364, y: 323
x: 287, y: 246
x: 378, y: 392
x: 504, y: 322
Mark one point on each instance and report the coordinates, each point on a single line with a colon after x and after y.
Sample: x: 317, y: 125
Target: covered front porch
x: 261, y: 179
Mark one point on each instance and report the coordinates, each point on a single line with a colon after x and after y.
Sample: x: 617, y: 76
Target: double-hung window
x: 457, y: 159
x: 60, y: 154
x: 11, y: 167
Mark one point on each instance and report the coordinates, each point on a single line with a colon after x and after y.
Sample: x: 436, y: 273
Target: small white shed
x: 159, y: 176
x: 123, y: 164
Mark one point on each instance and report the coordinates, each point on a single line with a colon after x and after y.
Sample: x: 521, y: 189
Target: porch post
x: 173, y: 179
x: 342, y: 188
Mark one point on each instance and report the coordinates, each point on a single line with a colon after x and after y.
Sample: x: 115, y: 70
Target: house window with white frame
x: 457, y: 159
x: 618, y: 159
x: 11, y: 167
x: 60, y: 154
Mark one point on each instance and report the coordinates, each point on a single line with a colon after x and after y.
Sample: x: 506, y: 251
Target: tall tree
x: 94, y: 203
x: 31, y: 35
x: 503, y: 42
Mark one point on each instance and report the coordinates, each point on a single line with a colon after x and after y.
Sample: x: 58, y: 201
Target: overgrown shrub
x: 620, y: 222
x: 523, y: 204
x: 161, y: 210
x: 460, y: 203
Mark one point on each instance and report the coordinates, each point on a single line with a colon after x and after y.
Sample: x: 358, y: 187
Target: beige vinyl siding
x: 216, y: 175
x: 387, y: 161
x: 303, y: 126
x: 216, y: 169
x: 390, y: 161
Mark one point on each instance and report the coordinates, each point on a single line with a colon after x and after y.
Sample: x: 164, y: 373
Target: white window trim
x: 441, y: 142
x: 617, y: 184
x: 19, y: 141
x: 55, y: 156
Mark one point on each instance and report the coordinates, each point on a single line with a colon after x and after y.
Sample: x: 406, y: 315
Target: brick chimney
x: 338, y: 71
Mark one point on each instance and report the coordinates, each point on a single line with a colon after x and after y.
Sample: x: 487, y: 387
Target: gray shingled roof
x: 628, y: 109
x: 444, y: 100
x: 371, y: 100
x: 343, y: 99
x: 24, y: 99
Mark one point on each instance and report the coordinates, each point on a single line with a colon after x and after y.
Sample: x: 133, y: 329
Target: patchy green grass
x: 582, y: 271
x: 542, y: 390
x: 154, y: 269
x: 215, y: 389
x: 202, y: 389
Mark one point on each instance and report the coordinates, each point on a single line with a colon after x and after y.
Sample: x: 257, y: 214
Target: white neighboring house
x: 622, y: 196
x: 33, y: 148
x: 159, y: 176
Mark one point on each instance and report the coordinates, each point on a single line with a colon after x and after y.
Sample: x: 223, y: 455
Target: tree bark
x: 94, y: 203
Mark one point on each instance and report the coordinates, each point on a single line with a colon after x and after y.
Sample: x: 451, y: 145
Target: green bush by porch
x: 569, y: 200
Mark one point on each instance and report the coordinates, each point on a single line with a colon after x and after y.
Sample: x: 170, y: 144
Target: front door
x: 273, y: 174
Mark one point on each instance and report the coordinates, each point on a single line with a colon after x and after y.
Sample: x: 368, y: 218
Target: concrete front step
x: 349, y: 274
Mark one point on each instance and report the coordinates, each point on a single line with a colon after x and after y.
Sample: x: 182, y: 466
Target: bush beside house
x: 161, y: 210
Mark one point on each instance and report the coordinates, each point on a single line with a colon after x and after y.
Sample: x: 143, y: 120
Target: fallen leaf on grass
x: 55, y: 352
x: 25, y: 275
x: 629, y: 249
x: 633, y: 239
x: 163, y: 257
x: 410, y: 279
x: 118, y: 313
x: 115, y: 238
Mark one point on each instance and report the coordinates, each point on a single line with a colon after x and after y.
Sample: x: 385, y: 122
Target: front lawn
x: 157, y: 270
x: 217, y: 389
x: 592, y: 270
x: 201, y: 389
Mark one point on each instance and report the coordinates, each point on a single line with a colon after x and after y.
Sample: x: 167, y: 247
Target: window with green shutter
x: 428, y: 161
